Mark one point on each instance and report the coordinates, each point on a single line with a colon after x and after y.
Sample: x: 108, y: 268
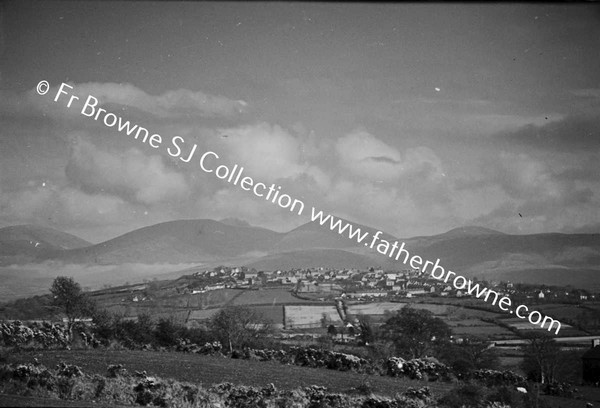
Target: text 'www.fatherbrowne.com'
x: 398, y: 252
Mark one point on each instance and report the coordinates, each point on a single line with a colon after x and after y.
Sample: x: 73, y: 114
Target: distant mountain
x: 313, y: 258
x: 24, y: 243
x: 183, y: 241
x: 486, y: 252
x: 470, y: 251
x: 469, y: 231
x: 313, y: 235
x: 235, y: 222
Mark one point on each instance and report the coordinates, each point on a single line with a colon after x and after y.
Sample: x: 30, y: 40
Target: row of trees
x: 234, y: 327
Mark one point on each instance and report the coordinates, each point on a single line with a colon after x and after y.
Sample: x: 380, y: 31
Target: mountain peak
x: 469, y: 231
x: 235, y: 222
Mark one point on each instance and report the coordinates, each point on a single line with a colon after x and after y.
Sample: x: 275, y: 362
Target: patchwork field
x: 379, y: 308
x: 278, y: 296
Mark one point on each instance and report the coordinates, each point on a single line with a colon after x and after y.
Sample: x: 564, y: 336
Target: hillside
x: 312, y: 235
x: 308, y: 258
x: 472, y: 251
x: 23, y: 243
x: 183, y: 241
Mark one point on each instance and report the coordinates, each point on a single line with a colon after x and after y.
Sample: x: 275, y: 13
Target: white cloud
x: 172, y: 103
x: 269, y: 152
x: 130, y: 174
x: 533, y: 196
x: 363, y: 155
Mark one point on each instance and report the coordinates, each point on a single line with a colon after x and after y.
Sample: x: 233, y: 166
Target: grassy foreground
x: 34, y: 382
x: 209, y: 370
x: 271, y: 384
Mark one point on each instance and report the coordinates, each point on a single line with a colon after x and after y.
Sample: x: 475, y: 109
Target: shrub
x: 507, y: 395
x: 469, y: 395
x: 116, y: 370
x: 422, y: 393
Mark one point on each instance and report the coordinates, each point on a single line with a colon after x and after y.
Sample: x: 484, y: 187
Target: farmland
x: 208, y: 370
x: 275, y: 296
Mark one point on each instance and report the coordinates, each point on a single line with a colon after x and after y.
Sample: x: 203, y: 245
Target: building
x: 591, y: 364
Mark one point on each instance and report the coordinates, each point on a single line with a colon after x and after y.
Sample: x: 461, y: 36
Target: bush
x: 417, y: 369
x: 423, y: 393
x: 116, y: 370
x: 68, y: 382
x: 498, y: 378
x: 508, y: 396
x: 469, y: 395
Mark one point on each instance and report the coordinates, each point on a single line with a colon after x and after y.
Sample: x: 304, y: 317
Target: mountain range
x: 552, y: 258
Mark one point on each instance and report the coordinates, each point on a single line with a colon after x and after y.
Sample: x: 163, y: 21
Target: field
x: 524, y: 325
x: 476, y: 327
x: 208, y: 370
x: 379, y: 308
x: 279, y: 296
x: 463, y: 321
x: 310, y: 316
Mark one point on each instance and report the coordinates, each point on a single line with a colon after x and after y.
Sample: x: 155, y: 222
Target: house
x: 541, y: 295
x: 591, y: 364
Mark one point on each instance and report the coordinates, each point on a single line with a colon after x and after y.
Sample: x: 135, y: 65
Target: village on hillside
x: 366, y: 285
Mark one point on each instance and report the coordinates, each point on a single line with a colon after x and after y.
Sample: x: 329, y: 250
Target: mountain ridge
x: 472, y: 251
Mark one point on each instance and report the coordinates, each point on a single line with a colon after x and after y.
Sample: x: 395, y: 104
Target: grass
x: 489, y: 332
x: 274, y: 296
x: 208, y: 370
x: 21, y: 401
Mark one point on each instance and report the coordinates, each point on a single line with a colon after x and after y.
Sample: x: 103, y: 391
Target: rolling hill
x: 182, y: 241
x: 25, y: 243
x: 471, y: 251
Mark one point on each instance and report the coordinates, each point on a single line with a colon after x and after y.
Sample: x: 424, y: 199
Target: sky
x: 410, y: 118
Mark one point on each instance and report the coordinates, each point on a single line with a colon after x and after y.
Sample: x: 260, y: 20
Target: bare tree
x: 541, y: 357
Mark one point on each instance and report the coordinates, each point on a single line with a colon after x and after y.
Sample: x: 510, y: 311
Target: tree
x: 68, y: 296
x: 238, y: 326
x: 542, y: 356
x: 473, y: 353
x: 166, y: 332
x: 415, y: 332
x: 325, y: 320
x: 332, y: 331
x: 366, y: 333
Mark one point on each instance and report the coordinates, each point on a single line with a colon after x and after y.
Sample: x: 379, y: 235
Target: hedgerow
x: 120, y: 387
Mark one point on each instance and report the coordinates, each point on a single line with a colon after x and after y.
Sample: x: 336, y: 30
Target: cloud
x: 48, y: 204
x: 363, y: 155
x: 538, y: 197
x: 573, y: 133
x: 129, y: 174
x: 180, y: 103
x: 173, y: 103
x: 271, y: 153
x: 592, y: 93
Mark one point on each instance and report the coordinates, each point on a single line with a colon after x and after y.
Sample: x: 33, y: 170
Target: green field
x: 276, y: 296
x: 476, y: 327
x: 208, y: 370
